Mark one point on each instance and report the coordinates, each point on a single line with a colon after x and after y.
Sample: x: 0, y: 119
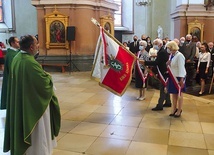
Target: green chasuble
x: 8, y: 60
x: 30, y: 91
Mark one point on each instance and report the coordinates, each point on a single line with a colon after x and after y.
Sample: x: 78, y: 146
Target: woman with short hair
x: 177, y: 74
x: 140, y: 70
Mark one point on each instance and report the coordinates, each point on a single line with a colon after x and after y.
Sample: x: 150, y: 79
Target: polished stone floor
x: 96, y: 122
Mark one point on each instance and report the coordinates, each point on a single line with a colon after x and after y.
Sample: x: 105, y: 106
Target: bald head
x: 210, y: 45
x: 188, y: 37
x: 177, y: 41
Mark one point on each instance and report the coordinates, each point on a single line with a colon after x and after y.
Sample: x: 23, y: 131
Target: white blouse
x: 178, y: 65
x: 204, y: 57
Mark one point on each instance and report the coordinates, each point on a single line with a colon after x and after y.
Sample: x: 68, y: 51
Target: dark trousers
x: 191, y: 73
x: 163, y: 97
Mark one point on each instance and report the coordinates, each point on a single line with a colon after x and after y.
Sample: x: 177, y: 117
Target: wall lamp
x: 143, y: 2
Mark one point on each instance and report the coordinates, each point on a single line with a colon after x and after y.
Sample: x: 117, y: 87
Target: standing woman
x: 149, y: 44
x: 203, y: 65
x: 177, y: 73
x: 140, y: 71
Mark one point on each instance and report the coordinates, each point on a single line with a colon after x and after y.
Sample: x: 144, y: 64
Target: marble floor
x: 96, y: 122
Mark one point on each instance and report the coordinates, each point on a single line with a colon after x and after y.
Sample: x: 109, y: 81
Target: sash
x: 142, y: 75
x: 162, y: 80
x: 174, y: 79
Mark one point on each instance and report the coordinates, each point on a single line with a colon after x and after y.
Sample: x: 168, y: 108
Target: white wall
x: 140, y: 20
x: 25, y: 20
x: 147, y: 19
x: 179, y: 2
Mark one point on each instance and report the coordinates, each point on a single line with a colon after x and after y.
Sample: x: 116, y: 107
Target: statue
x: 160, y: 32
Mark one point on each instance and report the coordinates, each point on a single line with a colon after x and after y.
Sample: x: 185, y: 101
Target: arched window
x: 124, y: 16
x: 7, y: 15
x: 1, y: 12
x: 117, y: 14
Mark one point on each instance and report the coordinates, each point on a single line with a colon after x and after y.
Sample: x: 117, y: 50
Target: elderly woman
x: 177, y: 73
x: 152, y: 53
x: 141, y: 71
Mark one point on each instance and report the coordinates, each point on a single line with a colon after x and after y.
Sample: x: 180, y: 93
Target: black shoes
x: 167, y: 105
x: 178, y: 114
x: 173, y: 114
x: 157, y: 109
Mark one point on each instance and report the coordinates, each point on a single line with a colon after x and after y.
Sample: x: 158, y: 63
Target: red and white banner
x: 113, y: 64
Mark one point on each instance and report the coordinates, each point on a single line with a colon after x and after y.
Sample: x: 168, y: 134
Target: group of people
x: 32, y: 109
x: 175, y: 61
x: 199, y: 57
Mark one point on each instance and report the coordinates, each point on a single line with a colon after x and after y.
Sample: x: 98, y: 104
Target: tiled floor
x: 96, y: 122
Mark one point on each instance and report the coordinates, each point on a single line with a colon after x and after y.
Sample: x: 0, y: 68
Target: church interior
x: 93, y: 120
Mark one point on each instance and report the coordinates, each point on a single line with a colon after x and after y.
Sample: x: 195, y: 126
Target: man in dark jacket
x: 134, y: 46
x: 189, y: 51
x: 160, y: 62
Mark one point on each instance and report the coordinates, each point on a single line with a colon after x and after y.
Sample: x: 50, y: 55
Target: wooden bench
x: 55, y: 61
x: 56, y: 65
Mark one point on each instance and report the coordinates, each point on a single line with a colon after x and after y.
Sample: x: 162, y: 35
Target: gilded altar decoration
x: 196, y: 28
x: 107, y: 22
x: 56, y: 24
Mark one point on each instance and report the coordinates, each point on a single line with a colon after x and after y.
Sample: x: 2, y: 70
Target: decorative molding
x: 105, y: 4
x: 193, y: 10
x: 107, y: 22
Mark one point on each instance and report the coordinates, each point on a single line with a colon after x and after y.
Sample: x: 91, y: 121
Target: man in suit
x: 134, y: 46
x: 189, y: 51
x: 143, y: 37
x: 181, y: 43
x: 160, y: 62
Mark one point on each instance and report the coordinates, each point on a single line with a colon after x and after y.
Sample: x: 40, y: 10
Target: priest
x: 32, y: 111
x: 11, y: 52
